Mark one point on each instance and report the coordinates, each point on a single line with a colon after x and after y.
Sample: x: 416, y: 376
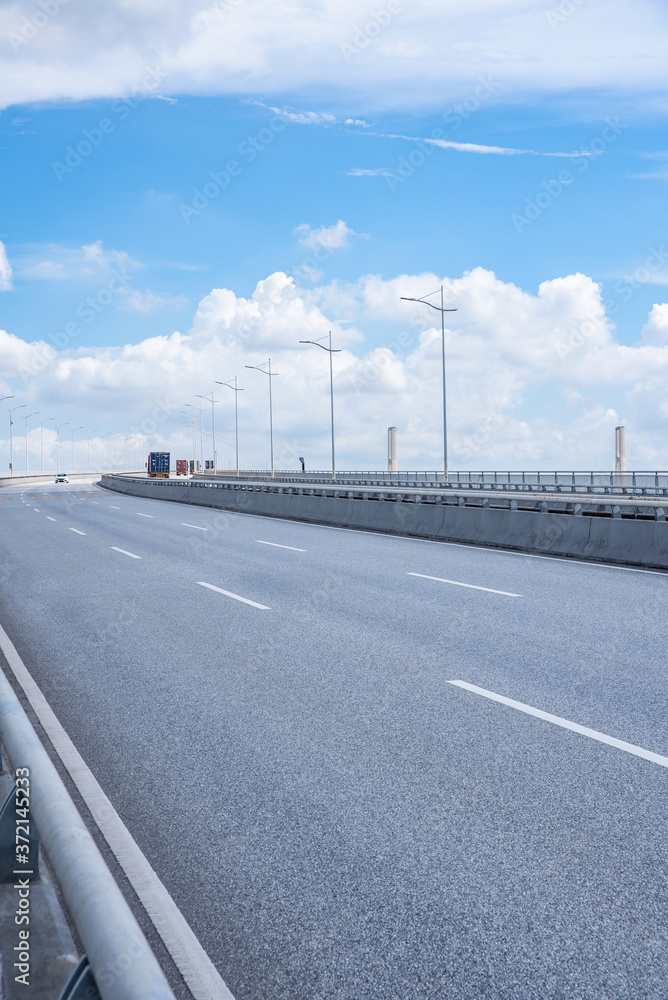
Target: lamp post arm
x: 431, y: 305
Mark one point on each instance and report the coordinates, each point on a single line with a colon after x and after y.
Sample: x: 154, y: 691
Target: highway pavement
x: 268, y: 706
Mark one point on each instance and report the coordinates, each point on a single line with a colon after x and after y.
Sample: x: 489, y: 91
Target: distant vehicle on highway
x: 182, y: 467
x: 61, y: 477
x: 158, y: 464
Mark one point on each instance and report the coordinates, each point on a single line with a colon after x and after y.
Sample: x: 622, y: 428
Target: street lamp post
x: 58, y: 426
x: 104, y: 454
x: 74, y: 463
x: 11, y: 438
x: 89, y: 432
x: 2, y: 398
x: 26, y: 419
x: 213, y: 426
x: 236, y: 414
x: 271, y: 374
x: 442, y: 311
x: 331, y: 351
x: 41, y: 441
x: 201, y: 437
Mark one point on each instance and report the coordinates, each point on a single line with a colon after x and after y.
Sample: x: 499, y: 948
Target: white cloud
x: 472, y: 147
x: 147, y: 302
x: 56, y: 262
x: 377, y: 172
x: 534, y: 380
x: 299, y: 117
x: 431, y: 53
x: 330, y: 237
x: 655, y: 330
x: 357, y: 121
x: 5, y: 270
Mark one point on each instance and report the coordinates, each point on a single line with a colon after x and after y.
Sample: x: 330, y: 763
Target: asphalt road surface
x: 267, y: 705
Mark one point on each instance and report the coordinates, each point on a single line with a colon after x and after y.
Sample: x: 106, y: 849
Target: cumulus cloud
x: 430, y: 52
x: 5, y: 270
x: 330, y: 237
x: 534, y: 380
x: 655, y: 330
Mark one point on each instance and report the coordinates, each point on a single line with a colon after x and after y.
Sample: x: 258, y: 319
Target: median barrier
x: 43, y: 477
x: 616, y: 539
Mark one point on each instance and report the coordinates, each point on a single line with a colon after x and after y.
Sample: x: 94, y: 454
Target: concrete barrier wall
x: 602, y: 539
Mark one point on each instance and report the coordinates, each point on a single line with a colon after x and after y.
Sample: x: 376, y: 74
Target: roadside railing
x: 522, y: 498
x: 620, y: 483
x: 118, y: 963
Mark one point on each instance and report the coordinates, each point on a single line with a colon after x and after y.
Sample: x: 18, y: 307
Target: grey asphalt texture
x: 331, y: 816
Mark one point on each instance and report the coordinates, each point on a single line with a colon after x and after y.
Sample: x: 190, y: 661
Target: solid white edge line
x: 456, y: 583
x: 574, y: 727
x: 184, y: 525
x: 124, y: 552
x: 197, y: 969
x: 77, y: 531
x: 293, y: 548
x: 236, y: 597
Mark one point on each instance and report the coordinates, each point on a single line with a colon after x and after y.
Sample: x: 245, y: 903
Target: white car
x: 62, y: 477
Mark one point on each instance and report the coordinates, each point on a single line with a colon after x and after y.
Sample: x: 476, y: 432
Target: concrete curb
x: 619, y: 540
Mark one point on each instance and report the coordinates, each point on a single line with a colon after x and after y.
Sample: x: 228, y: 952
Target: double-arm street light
x: 260, y: 368
x: 236, y: 413
x: 194, y: 422
x: 74, y: 461
x: 58, y: 426
x: 104, y: 455
x: 213, y: 425
x: 88, y: 435
x: 11, y: 438
x: 331, y: 351
x: 2, y: 399
x: 442, y: 311
x: 41, y: 441
x: 201, y: 435
x: 26, y: 417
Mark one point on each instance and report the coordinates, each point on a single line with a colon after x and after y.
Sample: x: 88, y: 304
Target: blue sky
x: 513, y: 138
x: 453, y: 208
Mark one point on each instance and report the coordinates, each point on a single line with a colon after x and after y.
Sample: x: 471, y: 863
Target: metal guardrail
x: 121, y: 961
x: 619, y: 483
x: 644, y: 507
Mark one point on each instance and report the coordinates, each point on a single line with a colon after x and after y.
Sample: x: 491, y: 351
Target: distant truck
x: 182, y: 467
x: 158, y: 464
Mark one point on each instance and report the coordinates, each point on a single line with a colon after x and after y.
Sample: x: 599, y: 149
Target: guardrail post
x: 81, y: 985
